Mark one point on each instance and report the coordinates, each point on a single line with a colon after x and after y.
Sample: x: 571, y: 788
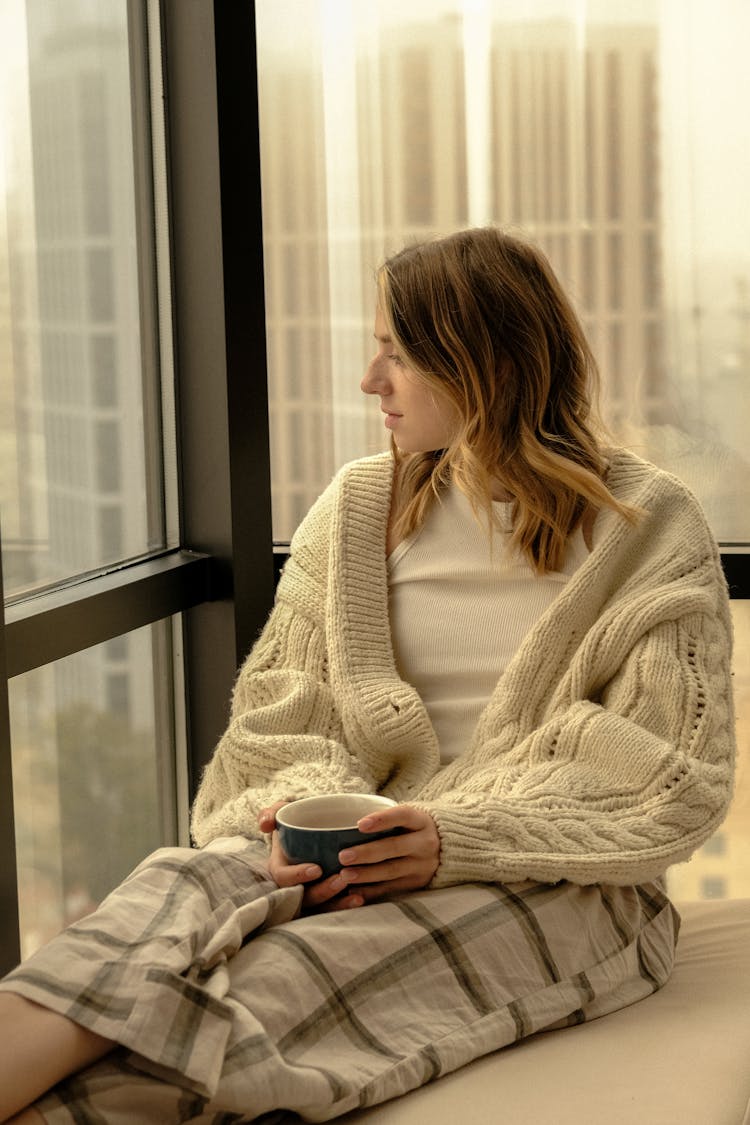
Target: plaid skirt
x: 226, y: 1005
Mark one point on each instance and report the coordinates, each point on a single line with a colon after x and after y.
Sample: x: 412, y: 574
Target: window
x: 123, y: 610
x: 70, y: 261
x: 598, y: 130
x: 93, y: 790
x: 91, y: 738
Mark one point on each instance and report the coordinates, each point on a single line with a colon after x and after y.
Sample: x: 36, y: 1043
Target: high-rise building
x: 75, y: 341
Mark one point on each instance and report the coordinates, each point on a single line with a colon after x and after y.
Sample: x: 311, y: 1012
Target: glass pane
x: 93, y: 775
x: 78, y: 488
x: 613, y: 132
x: 721, y: 869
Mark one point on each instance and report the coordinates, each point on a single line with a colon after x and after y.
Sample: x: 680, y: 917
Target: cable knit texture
x: 606, y: 751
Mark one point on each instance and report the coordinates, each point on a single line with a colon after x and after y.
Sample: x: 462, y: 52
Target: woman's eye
x: 396, y: 359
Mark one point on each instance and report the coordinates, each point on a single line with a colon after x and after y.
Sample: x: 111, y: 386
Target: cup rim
x: 383, y: 802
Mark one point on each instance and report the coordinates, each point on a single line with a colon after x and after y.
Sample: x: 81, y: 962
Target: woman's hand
x: 396, y: 863
x: 371, y: 871
x: 319, y: 894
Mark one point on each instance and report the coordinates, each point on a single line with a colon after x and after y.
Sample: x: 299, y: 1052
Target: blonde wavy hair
x: 481, y: 317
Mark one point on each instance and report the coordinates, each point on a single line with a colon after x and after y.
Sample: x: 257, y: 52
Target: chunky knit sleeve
x: 284, y: 738
x: 631, y: 769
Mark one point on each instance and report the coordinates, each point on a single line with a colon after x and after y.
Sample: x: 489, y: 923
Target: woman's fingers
x: 404, y: 862
x: 399, y: 816
x: 318, y: 891
x: 323, y: 893
x: 359, y: 894
x: 391, y: 847
x: 267, y: 817
x: 419, y: 844
x: 291, y: 875
x: 286, y: 874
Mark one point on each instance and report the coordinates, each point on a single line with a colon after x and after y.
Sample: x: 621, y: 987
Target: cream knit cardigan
x: 605, y: 752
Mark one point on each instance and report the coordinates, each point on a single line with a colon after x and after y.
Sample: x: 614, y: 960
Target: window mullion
x: 53, y: 625
x: 157, y: 466
x: 10, y: 948
x: 220, y: 354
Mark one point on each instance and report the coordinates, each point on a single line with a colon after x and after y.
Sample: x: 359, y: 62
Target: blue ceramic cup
x: 316, y: 829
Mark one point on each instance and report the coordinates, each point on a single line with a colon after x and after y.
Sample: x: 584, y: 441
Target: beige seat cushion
x: 681, y: 1057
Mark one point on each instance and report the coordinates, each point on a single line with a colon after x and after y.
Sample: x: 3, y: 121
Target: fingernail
x: 347, y: 856
x: 366, y: 824
x: 313, y: 872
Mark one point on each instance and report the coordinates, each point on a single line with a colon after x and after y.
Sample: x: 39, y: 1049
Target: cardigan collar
x: 384, y: 717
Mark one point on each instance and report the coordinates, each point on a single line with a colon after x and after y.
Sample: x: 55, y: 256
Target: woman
x: 522, y: 637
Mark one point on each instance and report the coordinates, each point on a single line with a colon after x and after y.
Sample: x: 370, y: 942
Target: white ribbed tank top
x: 459, y: 611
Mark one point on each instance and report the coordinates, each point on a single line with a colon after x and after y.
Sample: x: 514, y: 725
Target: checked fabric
x: 229, y: 1007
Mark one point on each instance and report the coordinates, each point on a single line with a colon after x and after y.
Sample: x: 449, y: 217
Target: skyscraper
x: 75, y: 341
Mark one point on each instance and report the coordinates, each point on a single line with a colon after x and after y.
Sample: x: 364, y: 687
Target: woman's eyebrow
x: 383, y: 339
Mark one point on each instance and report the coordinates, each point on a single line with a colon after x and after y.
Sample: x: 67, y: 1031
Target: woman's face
x: 418, y: 419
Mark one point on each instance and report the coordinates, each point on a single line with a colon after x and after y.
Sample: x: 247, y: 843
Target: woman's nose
x: 374, y: 379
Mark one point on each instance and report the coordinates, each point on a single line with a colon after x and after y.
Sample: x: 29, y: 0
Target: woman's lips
x: 390, y: 419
